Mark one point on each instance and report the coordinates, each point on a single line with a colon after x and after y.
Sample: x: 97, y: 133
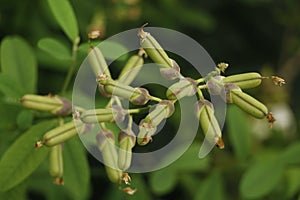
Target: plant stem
x: 155, y: 99
x: 200, y: 80
x: 138, y: 110
x: 199, y: 92
x: 72, y: 66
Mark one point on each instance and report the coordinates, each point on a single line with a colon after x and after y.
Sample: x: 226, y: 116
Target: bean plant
x: 51, y: 124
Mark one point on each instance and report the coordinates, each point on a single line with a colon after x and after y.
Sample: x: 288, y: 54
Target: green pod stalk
x: 102, y: 115
x: 98, y: 63
x: 137, y: 96
x: 184, y: 87
x: 245, y: 80
x: 249, y: 104
x: 56, y: 164
x: 153, y: 49
x: 60, y: 134
x: 53, y: 104
x: 209, y: 123
x: 126, y: 143
x: 106, y: 145
x: 131, y: 69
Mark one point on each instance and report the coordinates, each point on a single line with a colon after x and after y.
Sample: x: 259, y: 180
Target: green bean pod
x: 131, y: 69
x: 245, y: 80
x: 126, y: 143
x: 106, y: 145
x: 56, y: 164
x: 249, y: 104
x: 137, y: 96
x: 53, y: 104
x: 97, y: 62
x: 153, y: 49
x: 209, y: 123
x: 182, y: 88
x: 102, y: 115
x: 61, y: 134
x: 147, y: 127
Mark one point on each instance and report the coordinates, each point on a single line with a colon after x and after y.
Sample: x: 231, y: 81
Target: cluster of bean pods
x: 230, y: 88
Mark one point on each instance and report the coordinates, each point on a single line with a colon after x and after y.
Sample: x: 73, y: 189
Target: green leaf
x: 110, y: 49
x: 261, y: 178
x: 9, y: 87
x: 21, y: 159
x: 76, y: 169
x: 41, y: 182
x: 64, y: 14
x: 293, y: 181
x: 8, y: 115
x: 18, y: 192
x: 142, y: 192
x: 19, y: 63
x: 163, y: 180
x: 55, y: 48
x: 189, y: 161
x: 211, y: 188
x: 291, y: 154
x: 238, y: 132
x: 24, y: 119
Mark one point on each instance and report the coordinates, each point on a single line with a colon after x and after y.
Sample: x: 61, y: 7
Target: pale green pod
x: 60, y: 134
x: 145, y: 133
x: 137, y: 96
x: 140, y: 96
x: 53, y: 104
x: 209, y: 123
x: 56, y: 164
x: 106, y: 145
x: 245, y: 80
x: 182, y: 88
x: 102, y: 115
x: 126, y: 143
x: 249, y: 104
x: 153, y: 49
x: 157, y: 114
x: 131, y: 69
x: 97, y: 62
x: 171, y: 73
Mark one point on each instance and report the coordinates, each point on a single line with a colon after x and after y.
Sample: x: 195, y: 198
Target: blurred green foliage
x: 257, y: 35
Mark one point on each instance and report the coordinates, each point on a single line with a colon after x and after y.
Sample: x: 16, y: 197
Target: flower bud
x: 53, y: 104
x: 56, y: 164
x: 209, y: 123
x: 184, y: 87
x: 106, y: 145
x: 244, y: 81
x: 126, y: 143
